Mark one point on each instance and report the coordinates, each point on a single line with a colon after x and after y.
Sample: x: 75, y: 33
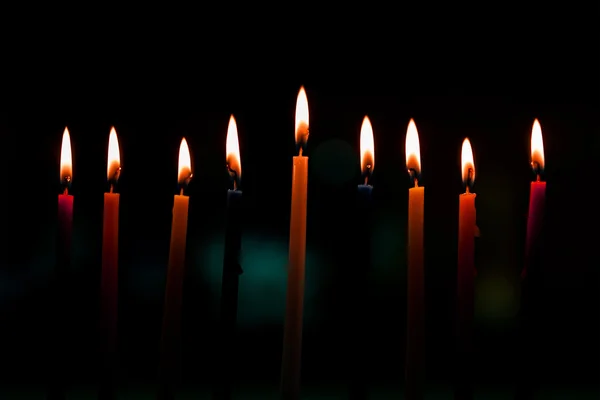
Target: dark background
x: 460, y: 72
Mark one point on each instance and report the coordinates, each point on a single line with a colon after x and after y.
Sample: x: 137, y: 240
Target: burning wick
x: 413, y: 174
x: 114, y: 179
x: 367, y: 174
x: 185, y: 182
x: 66, y: 183
x: 536, y: 169
x: 469, y: 180
x: 233, y: 174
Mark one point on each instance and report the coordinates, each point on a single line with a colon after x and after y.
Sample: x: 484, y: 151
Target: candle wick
x: 234, y: 184
x: 538, y: 178
x: 181, y: 192
x: 366, y: 180
x: 66, y: 191
x: 112, y: 187
x: 467, y: 191
x: 300, y: 152
x: 416, y: 182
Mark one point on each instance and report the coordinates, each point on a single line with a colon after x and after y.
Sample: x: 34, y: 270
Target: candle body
x: 537, y: 198
x: 65, y: 229
x: 173, y: 293
x: 59, y: 351
x: 229, y: 290
x: 465, y: 292
x: 110, y: 272
x: 292, y: 336
x: 359, y: 324
x: 415, y: 295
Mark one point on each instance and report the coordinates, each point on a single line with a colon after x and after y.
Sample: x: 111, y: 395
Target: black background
x: 459, y: 72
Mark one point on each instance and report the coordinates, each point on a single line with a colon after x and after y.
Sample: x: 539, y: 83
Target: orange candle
x: 537, y: 197
x: 415, y: 290
x: 110, y: 251
x: 292, y: 336
x: 466, y: 270
x: 173, y: 295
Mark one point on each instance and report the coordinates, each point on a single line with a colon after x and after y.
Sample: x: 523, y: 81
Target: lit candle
x: 65, y: 205
x: 415, y: 290
x: 61, y: 302
x: 359, y: 304
x: 173, y: 294
x: 110, y: 256
x: 367, y: 159
x: 466, y: 271
x: 231, y: 260
x: 537, y: 197
x: 292, y: 336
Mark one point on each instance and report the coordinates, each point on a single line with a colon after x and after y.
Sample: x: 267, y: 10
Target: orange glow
x: 301, y: 117
x: 413, y: 148
x: 537, y: 146
x: 114, y: 156
x: 367, y: 146
x: 185, y: 163
x: 66, y: 161
x: 467, y: 163
x: 232, y: 148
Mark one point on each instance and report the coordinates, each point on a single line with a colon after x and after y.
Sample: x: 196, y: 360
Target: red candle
x: 466, y: 271
x: 65, y: 203
x: 537, y: 196
x: 110, y: 248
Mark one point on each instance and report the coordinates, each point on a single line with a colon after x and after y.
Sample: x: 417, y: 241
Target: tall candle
x: 359, y: 305
x: 537, y: 198
x: 415, y: 290
x: 65, y: 206
x: 59, y: 346
x: 110, y: 259
x: 231, y: 261
x: 171, y: 327
x: 466, y: 273
x: 292, y: 336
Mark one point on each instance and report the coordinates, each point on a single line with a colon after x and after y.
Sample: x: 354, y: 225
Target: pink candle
x: 537, y: 196
x: 65, y: 204
x: 467, y: 231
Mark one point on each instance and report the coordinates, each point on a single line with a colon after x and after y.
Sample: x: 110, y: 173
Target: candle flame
x: 232, y: 149
x: 66, y: 162
x: 301, y: 118
x: 413, y: 149
x: 185, y: 163
x: 113, y: 169
x: 367, y: 147
x: 467, y: 163
x: 537, y: 146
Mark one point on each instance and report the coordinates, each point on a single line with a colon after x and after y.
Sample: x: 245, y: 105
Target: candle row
x: 290, y: 378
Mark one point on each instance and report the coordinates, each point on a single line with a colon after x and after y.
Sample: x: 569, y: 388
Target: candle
x: 367, y: 158
x: 110, y: 256
x: 359, y: 305
x: 292, y: 336
x: 231, y: 260
x: 65, y: 206
x: 415, y: 289
x: 537, y: 197
x: 173, y: 294
x: 466, y: 272
x: 59, y: 334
